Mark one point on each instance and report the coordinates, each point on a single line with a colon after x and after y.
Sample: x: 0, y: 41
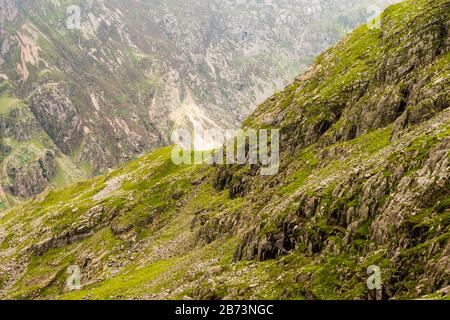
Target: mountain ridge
x: 116, y: 88
x: 363, y: 182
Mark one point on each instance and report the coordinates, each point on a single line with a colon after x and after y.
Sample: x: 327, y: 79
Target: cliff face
x: 18, y: 125
x: 136, y: 70
x: 8, y: 11
x: 32, y: 179
x: 390, y: 208
x: 364, y: 184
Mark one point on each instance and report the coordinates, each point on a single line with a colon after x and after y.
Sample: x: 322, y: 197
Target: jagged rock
x: 33, y: 178
x: 63, y: 239
x: 338, y: 208
x: 58, y: 116
x: 107, y: 106
x: 17, y: 124
x: 8, y: 12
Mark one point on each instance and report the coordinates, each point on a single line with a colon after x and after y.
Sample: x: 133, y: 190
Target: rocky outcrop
x: 106, y: 106
x: 208, y: 229
x: 8, y: 12
x: 18, y: 124
x: 91, y: 220
x: 364, y: 184
x: 57, y: 115
x: 363, y: 210
x: 31, y: 179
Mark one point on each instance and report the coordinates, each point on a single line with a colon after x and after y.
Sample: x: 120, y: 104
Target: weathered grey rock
x: 33, y: 178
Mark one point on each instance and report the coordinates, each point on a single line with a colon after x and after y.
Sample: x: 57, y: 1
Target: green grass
x: 149, y: 242
x: 122, y: 285
x: 7, y: 103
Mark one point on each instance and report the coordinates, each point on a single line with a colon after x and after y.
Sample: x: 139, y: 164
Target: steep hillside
x: 106, y: 93
x: 364, y: 180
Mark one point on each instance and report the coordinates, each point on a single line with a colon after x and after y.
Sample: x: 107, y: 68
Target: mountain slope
x: 112, y: 90
x: 364, y: 181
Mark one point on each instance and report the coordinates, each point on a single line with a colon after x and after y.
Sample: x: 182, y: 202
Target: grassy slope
x: 125, y: 87
x: 171, y: 214
x: 167, y: 260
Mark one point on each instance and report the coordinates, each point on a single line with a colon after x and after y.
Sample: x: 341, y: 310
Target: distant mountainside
x: 74, y: 103
x: 364, y: 184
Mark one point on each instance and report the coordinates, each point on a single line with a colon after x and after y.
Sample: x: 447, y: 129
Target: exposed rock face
x: 18, y: 125
x: 137, y: 70
x: 32, y: 179
x: 8, y: 11
x: 58, y: 117
x: 28, y: 167
x: 365, y: 205
x: 364, y: 184
x: 92, y: 220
